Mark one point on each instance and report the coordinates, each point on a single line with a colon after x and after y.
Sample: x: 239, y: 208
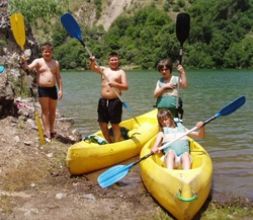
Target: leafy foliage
x: 220, y: 36
x: 32, y: 10
x: 141, y: 39
x: 219, y: 29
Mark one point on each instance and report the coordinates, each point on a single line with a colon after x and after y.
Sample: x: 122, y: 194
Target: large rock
x: 13, y: 81
x: 6, y: 97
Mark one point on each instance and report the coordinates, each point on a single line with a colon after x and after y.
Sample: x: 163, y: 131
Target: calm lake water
x: 229, y: 139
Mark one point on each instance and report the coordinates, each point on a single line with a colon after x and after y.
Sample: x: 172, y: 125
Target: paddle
x: 2, y: 69
x: 182, y: 32
x: 18, y: 30
x: 38, y: 121
x: 73, y: 29
x: 116, y: 173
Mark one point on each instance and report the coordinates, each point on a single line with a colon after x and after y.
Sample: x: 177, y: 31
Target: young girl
x: 166, y: 90
x: 178, y: 152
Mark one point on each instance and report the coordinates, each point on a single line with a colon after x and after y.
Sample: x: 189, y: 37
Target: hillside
x: 111, y: 9
x: 35, y: 183
x: 144, y: 31
x: 105, y: 12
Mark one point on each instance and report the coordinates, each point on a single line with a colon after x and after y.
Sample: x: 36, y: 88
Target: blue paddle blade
x: 126, y: 106
x: 71, y: 26
x: 231, y: 107
x: 2, y: 68
x: 113, y: 175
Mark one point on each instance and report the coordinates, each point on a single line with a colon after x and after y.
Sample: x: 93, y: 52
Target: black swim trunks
x: 50, y: 92
x: 109, y: 110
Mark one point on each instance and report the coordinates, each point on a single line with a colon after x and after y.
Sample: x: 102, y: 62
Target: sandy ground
x: 35, y: 183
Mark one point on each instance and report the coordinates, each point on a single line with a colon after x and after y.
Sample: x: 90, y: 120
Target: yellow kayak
x: 85, y: 156
x: 180, y: 192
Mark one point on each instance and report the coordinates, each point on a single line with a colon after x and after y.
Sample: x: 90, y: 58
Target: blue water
x: 229, y: 139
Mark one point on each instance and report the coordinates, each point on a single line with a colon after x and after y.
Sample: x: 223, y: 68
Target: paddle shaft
x: 176, y: 139
x: 114, y: 90
x: 73, y: 29
x: 182, y: 32
x: 38, y: 121
x: 118, y: 172
x: 90, y: 54
x: 181, y: 53
x: 18, y: 30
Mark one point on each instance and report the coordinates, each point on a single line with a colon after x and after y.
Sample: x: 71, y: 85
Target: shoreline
x: 35, y: 184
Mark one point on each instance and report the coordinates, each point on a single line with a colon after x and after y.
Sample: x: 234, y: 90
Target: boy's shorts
x: 109, y: 110
x: 50, y: 92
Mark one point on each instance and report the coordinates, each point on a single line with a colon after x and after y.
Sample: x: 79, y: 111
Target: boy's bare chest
x: 47, y: 67
x: 112, y: 75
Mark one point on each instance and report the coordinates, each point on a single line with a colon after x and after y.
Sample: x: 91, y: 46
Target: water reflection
x: 229, y: 139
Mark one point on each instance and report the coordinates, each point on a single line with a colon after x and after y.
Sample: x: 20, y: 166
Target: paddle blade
x: 233, y: 106
x: 2, y: 69
x: 182, y: 27
x: 71, y: 26
x: 40, y: 128
x: 113, y: 175
x: 18, y: 28
x: 126, y: 106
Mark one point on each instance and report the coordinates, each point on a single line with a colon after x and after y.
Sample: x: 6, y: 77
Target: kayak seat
x: 95, y: 139
x: 124, y: 133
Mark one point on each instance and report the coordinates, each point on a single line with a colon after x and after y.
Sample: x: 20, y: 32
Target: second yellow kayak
x: 180, y: 192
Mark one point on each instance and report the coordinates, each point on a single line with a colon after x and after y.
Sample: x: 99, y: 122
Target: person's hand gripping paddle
x: 116, y: 173
x: 182, y: 33
x: 18, y: 31
x: 74, y: 30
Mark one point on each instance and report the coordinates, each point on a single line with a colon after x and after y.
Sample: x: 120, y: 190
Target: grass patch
x: 26, y: 172
x: 6, y: 205
x: 236, y: 208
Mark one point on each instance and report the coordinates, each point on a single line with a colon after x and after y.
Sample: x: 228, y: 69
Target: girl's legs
x: 170, y: 160
x: 186, y: 161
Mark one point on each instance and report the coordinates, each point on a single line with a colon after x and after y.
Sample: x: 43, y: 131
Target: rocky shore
x: 34, y: 181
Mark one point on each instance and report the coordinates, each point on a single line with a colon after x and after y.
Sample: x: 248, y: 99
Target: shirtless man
x: 113, y: 81
x: 48, y: 75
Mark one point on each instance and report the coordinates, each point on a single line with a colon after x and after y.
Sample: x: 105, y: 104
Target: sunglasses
x: 163, y: 68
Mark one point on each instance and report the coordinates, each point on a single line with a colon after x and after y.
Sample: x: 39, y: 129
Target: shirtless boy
x: 113, y: 81
x: 48, y: 75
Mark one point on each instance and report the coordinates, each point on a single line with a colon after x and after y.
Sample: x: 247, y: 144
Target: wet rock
x: 30, y: 212
x: 16, y: 139
x: 28, y: 143
x: 60, y: 196
x: 14, y: 80
x: 89, y: 197
x: 50, y: 155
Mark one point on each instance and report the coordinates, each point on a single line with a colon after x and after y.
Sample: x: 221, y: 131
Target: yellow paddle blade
x: 40, y: 129
x: 18, y: 28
